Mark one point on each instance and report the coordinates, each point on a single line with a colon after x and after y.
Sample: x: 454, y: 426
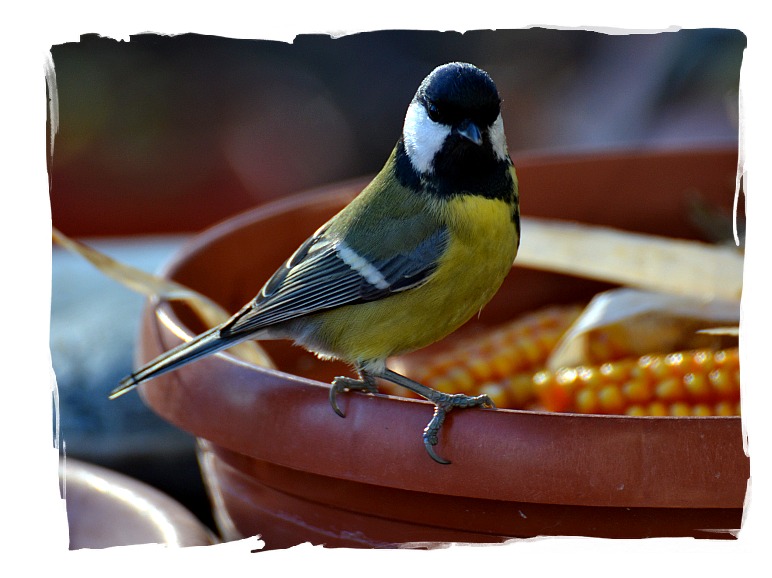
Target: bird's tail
x: 204, y: 344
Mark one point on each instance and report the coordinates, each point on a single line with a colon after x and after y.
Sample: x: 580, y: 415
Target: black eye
x: 434, y: 112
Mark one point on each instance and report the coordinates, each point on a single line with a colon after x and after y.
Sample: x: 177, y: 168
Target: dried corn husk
x: 647, y: 262
x: 154, y: 286
x: 645, y: 322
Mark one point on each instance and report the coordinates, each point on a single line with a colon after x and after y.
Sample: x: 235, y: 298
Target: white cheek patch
x: 362, y: 266
x: 498, y: 139
x: 423, y: 137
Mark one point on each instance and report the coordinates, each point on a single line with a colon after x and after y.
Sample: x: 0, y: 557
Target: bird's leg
x: 443, y: 403
x: 366, y: 383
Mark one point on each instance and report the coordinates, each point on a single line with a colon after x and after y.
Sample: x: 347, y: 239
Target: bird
x: 417, y: 253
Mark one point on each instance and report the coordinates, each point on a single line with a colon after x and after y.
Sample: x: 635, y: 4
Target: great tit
x: 415, y: 255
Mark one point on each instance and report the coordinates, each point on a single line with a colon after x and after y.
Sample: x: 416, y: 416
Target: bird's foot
x: 340, y: 384
x: 443, y: 403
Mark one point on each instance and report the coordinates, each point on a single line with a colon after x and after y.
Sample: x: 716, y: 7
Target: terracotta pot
x: 280, y: 463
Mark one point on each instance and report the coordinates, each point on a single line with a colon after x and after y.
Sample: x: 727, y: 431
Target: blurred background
x: 162, y: 136
x: 166, y: 134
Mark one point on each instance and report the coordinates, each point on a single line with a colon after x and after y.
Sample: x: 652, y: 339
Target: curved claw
x: 333, y: 399
x: 430, y: 434
x: 434, y: 456
x: 339, y: 384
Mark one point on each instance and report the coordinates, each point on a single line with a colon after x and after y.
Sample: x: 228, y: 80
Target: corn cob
x: 508, y: 364
x: 500, y: 362
x: 700, y: 382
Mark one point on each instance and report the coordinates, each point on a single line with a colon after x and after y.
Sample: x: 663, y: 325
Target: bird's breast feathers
x: 482, y: 245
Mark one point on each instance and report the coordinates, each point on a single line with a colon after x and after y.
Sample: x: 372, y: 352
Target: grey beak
x: 469, y: 131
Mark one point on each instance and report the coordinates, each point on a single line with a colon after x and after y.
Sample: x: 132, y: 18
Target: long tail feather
x: 204, y: 344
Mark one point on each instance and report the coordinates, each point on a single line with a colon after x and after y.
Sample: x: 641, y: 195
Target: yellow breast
x: 482, y: 247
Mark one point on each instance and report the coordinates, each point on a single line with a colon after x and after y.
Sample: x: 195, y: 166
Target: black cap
x: 458, y: 90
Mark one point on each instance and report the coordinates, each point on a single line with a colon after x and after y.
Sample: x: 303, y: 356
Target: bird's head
x: 453, y: 124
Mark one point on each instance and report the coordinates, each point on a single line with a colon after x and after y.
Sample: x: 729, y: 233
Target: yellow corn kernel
x: 638, y: 390
x: 702, y: 409
x: 722, y: 383
x: 497, y: 392
x: 681, y: 409
x: 674, y: 360
x: 611, y: 399
x: 552, y: 395
x: 461, y: 380
x: 702, y: 362
x: 587, y: 401
x: 671, y: 389
x: 480, y: 369
x: 521, y: 390
x: 654, y: 367
x: 590, y: 377
x: 543, y: 380
x: 616, y: 371
x: 501, y: 364
x: 566, y: 376
x: 446, y: 385
x: 726, y: 408
x: 657, y: 408
x: 636, y: 410
x: 697, y: 386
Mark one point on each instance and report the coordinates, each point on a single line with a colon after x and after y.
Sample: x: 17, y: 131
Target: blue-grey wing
x: 325, y: 273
